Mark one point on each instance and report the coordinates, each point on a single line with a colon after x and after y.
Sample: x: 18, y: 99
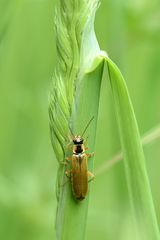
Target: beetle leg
x: 91, y: 175
x: 62, y: 185
x: 90, y: 154
x: 63, y: 162
x: 68, y: 159
x: 68, y: 173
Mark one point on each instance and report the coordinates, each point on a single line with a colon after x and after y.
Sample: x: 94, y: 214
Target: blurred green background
x: 130, y: 32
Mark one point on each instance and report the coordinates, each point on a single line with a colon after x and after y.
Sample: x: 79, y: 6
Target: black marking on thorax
x: 79, y: 149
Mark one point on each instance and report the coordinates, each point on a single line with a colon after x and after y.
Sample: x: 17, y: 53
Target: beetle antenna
x: 87, y: 126
x: 71, y: 133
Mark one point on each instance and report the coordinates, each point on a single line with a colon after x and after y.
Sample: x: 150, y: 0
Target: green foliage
x: 130, y: 32
x: 81, y: 88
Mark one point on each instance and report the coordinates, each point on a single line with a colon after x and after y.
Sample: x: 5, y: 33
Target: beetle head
x: 77, y: 140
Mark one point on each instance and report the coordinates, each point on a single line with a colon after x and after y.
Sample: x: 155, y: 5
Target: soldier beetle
x: 79, y: 173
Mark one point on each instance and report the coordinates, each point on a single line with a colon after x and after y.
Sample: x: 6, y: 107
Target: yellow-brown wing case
x: 79, y: 176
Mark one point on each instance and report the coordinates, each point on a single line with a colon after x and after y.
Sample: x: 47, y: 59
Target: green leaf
x: 136, y: 174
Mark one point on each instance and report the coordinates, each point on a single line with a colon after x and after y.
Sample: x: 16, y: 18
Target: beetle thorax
x: 78, y: 145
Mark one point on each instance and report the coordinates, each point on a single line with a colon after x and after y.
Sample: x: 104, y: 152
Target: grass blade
x: 136, y: 175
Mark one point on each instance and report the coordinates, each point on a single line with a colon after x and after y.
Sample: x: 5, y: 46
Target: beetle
x: 79, y: 173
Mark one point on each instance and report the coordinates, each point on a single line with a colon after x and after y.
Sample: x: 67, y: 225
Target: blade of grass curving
x: 136, y: 174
